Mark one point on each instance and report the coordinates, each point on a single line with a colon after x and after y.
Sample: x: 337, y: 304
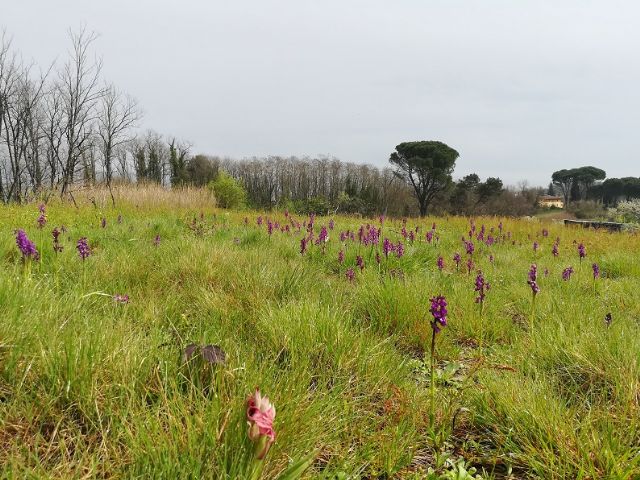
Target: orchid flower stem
x: 481, y: 334
x: 432, y: 382
x: 41, y: 250
x: 27, y: 268
x: 532, y: 313
x: 256, y: 469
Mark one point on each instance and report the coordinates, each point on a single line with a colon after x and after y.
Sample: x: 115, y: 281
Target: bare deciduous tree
x: 9, y: 67
x: 118, y: 115
x: 78, y: 86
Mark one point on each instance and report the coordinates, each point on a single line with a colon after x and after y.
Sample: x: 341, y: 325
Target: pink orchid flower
x: 260, y: 416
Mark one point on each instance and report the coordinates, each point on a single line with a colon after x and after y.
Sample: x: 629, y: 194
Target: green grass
x: 92, y: 388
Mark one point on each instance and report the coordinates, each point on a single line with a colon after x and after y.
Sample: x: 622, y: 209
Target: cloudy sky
x: 519, y: 88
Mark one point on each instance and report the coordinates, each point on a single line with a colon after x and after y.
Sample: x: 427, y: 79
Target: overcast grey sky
x: 519, y: 88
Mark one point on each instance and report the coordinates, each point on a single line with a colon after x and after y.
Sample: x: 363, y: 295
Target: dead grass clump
x: 141, y: 195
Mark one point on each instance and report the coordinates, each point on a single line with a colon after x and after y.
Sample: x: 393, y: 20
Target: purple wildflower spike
x: 582, y: 251
x: 566, y: 273
x: 26, y: 246
x: 42, y: 219
x: 56, y: 240
x: 470, y: 266
x: 439, y: 312
x: 468, y: 245
x: 350, y: 274
x: 482, y: 286
x: 533, y: 277
x: 83, y: 248
x: 457, y: 258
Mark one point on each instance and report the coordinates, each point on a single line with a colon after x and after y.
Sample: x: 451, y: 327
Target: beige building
x: 550, y: 201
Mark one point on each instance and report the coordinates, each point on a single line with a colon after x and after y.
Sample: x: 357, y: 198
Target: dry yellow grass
x: 140, y: 196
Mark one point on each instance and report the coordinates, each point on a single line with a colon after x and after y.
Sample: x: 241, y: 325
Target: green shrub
x: 228, y: 191
x: 318, y: 205
x: 588, y: 209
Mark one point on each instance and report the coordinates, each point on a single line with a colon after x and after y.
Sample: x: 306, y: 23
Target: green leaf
x: 296, y: 469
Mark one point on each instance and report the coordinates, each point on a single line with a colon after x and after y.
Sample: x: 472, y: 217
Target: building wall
x: 551, y: 203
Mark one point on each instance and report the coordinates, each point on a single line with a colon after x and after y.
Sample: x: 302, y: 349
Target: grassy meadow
x: 92, y: 387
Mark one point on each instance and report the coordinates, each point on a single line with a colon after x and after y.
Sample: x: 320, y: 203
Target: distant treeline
x: 613, y: 190
x: 65, y: 128
x: 321, y: 184
x: 588, y: 183
x: 325, y: 184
